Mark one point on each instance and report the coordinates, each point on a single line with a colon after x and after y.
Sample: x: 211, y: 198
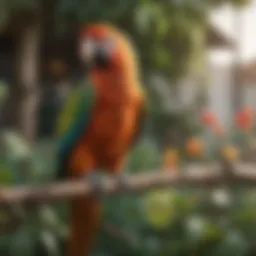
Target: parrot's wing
x: 74, y: 119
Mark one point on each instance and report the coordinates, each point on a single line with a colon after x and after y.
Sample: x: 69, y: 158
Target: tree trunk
x: 27, y: 74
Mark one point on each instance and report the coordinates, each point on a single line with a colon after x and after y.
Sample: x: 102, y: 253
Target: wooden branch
x: 71, y: 189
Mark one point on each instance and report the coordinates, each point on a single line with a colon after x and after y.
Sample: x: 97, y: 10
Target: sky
x: 224, y: 19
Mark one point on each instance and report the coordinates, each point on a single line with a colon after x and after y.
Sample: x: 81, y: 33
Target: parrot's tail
x: 85, y: 218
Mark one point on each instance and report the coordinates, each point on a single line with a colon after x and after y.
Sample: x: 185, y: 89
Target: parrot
x: 100, y: 121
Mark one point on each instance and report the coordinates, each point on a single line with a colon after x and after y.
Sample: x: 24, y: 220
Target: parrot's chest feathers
x: 114, y: 120
x: 114, y: 125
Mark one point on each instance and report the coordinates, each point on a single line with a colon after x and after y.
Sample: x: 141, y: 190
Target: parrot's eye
x: 104, y: 49
x: 97, y: 51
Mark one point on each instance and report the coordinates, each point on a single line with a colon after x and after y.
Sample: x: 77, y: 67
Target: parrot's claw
x: 122, y: 181
x: 96, y: 181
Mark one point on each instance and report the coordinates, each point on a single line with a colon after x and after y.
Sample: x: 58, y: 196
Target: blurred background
x: 198, y: 61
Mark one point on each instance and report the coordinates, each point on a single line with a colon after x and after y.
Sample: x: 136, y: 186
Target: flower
x: 170, y: 158
x: 195, y: 225
x: 194, y: 146
x: 244, y: 119
x: 221, y: 197
x: 230, y: 152
x: 208, y: 118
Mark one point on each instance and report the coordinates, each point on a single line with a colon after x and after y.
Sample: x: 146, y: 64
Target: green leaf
x: 7, y: 176
x: 50, y: 221
x: 22, y: 243
x: 4, y: 12
x: 159, y: 207
x: 50, y: 243
x: 143, y: 157
x: 4, y: 92
x: 43, y: 162
x: 234, y: 244
x: 142, y: 18
x: 16, y: 147
x: 212, y: 232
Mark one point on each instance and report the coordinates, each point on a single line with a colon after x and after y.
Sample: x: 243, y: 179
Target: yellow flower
x: 170, y: 158
x: 230, y: 152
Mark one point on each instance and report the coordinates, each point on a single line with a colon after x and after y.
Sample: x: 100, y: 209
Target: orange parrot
x: 100, y: 121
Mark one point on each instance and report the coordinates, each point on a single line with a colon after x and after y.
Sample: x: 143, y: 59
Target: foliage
x: 158, y: 222
x: 169, y: 35
x: 143, y: 157
x: 165, y: 34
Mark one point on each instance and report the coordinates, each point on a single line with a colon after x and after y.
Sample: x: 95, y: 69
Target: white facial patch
x: 90, y: 47
x: 87, y: 49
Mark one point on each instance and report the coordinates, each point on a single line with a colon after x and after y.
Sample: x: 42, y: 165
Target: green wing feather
x: 73, y: 121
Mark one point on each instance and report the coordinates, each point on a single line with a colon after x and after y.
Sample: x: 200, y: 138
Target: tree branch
x: 68, y: 190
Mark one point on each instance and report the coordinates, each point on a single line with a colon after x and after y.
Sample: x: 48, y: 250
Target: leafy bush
x: 158, y: 222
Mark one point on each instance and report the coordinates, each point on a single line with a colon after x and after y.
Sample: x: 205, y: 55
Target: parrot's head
x: 104, y: 47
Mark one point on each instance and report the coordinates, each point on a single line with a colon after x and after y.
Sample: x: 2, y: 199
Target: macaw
x: 100, y: 121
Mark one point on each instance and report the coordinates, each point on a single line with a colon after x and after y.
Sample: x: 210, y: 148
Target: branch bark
x: 136, y: 183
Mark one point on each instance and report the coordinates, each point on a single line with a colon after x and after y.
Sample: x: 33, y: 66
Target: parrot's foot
x: 95, y: 178
x: 122, y: 181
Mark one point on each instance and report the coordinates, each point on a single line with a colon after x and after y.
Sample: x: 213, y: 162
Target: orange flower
x: 230, y: 152
x: 170, y: 159
x: 194, y: 147
x: 208, y: 118
x: 244, y: 119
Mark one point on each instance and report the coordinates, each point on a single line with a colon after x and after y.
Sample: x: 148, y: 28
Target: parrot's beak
x: 93, y: 55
